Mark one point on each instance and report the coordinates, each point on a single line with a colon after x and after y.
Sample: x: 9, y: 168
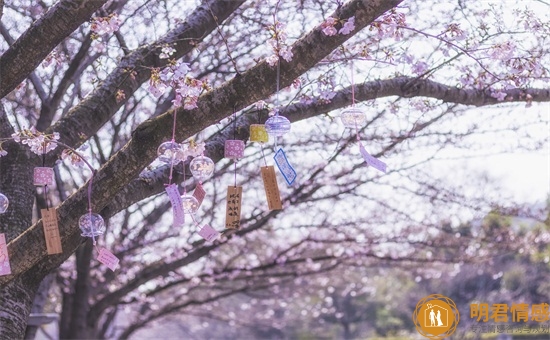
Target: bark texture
x: 41, y: 38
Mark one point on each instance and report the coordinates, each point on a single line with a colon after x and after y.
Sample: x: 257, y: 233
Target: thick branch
x: 97, y: 108
x: 41, y: 38
x: 141, y: 149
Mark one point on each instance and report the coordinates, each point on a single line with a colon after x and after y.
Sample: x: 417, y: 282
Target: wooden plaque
x: 51, y: 231
x: 233, y: 207
x: 271, y: 187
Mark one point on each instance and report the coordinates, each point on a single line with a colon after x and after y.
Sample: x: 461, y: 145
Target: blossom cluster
x: 390, y: 25
x: 39, y: 142
x: 279, y: 45
x: 102, y: 26
x: 329, y: 26
x: 106, y: 25
x: 187, y: 89
x: 75, y: 158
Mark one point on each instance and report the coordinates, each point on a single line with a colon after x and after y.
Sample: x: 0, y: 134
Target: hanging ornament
x: 277, y: 126
x: 170, y: 153
x: 353, y: 117
x: 5, y: 268
x: 202, y: 168
x: 43, y: 176
x: 258, y: 133
x: 91, y: 224
x: 4, y: 203
x: 234, y: 149
x: 190, y: 204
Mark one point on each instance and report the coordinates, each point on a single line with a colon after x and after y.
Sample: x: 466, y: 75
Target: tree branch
x: 41, y: 38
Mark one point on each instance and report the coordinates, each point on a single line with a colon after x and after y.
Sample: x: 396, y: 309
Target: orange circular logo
x: 436, y: 316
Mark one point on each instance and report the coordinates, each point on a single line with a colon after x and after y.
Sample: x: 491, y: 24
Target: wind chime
x: 352, y: 118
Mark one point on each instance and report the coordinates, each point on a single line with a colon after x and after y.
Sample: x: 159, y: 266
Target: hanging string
x: 235, y: 137
x: 173, y: 155
x: 184, y: 186
x: 353, y: 102
x: 45, y: 185
x: 263, y: 154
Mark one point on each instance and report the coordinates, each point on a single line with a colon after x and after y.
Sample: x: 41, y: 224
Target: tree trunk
x: 17, y: 298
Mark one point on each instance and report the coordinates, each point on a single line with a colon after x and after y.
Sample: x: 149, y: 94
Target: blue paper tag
x: 284, y: 166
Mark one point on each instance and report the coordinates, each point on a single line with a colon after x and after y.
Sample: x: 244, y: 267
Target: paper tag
x: 233, y: 207
x: 234, y: 148
x: 5, y: 268
x: 108, y: 259
x: 271, y: 188
x: 208, y: 233
x: 199, y: 193
x: 51, y: 231
x: 284, y: 167
x: 177, y: 205
x: 258, y: 133
x: 43, y: 176
x: 370, y: 160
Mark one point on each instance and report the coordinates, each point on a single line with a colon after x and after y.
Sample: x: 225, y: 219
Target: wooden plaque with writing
x: 271, y: 187
x: 233, y: 207
x: 51, y: 231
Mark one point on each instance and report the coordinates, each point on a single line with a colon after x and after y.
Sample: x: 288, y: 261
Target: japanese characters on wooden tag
x: 233, y: 207
x: 271, y: 187
x: 51, y: 231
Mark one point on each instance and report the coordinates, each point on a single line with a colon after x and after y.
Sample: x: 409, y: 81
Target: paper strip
x: 5, y: 268
x: 51, y: 231
x: 370, y: 160
x: 43, y: 176
x: 177, y: 205
x: 271, y: 188
x: 284, y: 166
x: 108, y: 259
x: 199, y: 193
x: 208, y: 233
x: 233, y: 207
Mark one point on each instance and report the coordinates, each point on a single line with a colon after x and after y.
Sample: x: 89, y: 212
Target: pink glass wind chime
x: 201, y: 167
x: 91, y: 224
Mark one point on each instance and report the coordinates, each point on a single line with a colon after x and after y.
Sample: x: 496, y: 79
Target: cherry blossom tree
x: 106, y: 82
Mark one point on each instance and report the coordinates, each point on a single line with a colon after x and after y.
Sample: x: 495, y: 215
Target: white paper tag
x: 208, y: 233
x: 5, y: 268
x: 370, y: 160
x: 284, y: 166
x: 108, y: 259
x: 177, y: 205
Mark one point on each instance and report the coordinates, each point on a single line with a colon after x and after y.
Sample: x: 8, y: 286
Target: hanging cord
x: 353, y: 102
x: 173, y: 155
x: 45, y: 185
x: 234, y: 138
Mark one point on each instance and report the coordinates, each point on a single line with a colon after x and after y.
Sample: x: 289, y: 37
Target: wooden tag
x: 108, y: 259
x: 5, y: 268
x: 199, y: 193
x: 51, y: 231
x: 271, y: 187
x: 233, y: 207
